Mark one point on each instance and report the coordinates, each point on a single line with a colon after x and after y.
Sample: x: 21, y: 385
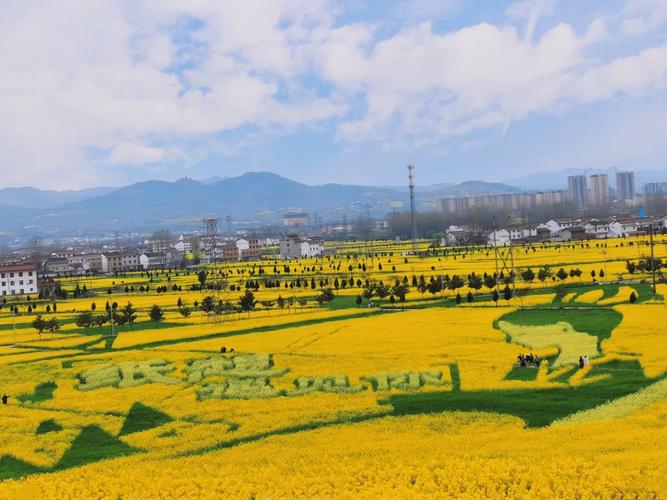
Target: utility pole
x: 212, y: 236
x: 14, y: 315
x: 111, y: 312
x: 495, y: 250
x: 650, y: 235
x: 411, y: 184
x: 229, y: 225
x: 512, y: 264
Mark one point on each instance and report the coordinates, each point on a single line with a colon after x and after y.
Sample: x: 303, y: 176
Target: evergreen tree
x: 247, y: 301
x: 156, y: 314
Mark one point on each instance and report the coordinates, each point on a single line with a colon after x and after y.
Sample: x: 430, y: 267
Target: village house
x: 18, y: 279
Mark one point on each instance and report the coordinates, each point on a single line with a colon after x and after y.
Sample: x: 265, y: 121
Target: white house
x: 499, y: 237
x: 18, y: 279
x: 622, y: 228
x: 522, y: 233
x: 598, y: 228
x: 555, y: 225
x: 130, y: 261
x: 294, y: 247
x: 184, y: 244
x: 150, y: 260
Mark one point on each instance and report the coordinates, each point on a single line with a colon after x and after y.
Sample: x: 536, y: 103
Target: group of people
x: 223, y: 350
x: 529, y: 359
x: 583, y: 361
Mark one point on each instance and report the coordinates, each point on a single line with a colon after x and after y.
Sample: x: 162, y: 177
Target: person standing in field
x: 4, y: 399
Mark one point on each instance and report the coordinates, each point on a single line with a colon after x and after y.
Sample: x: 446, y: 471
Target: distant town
x: 589, y: 209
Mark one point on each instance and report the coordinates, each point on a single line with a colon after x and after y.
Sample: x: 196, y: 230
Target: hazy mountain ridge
x: 30, y: 197
x: 181, y: 204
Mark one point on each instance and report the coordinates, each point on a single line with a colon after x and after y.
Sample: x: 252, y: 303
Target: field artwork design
x: 157, y: 398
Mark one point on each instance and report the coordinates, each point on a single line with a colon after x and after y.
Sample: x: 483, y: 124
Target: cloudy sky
x: 112, y: 92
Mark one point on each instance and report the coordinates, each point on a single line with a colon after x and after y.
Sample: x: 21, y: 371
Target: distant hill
x: 472, y: 188
x: 29, y: 197
x: 212, y: 180
x: 255, y: 197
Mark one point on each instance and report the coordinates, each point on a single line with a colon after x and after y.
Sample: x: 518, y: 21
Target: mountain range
x: 252, y: 198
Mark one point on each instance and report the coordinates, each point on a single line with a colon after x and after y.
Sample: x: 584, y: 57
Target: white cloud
x: 435, y: 85
x: 634, y: 74
x: 97, y: 76
x: 642, y: 16
x: 129, y: 153
x: 131, y: 77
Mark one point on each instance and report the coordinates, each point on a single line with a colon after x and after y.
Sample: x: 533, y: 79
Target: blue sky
x: 113, y: 92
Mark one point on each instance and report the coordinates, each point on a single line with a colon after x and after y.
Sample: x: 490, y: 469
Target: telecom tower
x: 229, y: 225
x: 411, y: 184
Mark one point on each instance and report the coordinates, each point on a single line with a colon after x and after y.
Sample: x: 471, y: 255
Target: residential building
x: 183, y: 244
x: 112, y: 262
x: 59, y: 266
x: 248, y: 249
x: 130, y: 261
x: 230, y: 252
x: 18, y: 279
x: 222, y: 251
x: 577, y: 190
x: 556, y: 225
x: 499, y: 238
x: 546, y: 198
x: 159, y: 243
x: 89, y: 262
x: 294, y: 247
x: 625, y: 185
x: 597, y: 228
x: 507, y: 201
x: 655, y: 189
x: 623, y: 227
x: 522, y: 233
x: 574, y: 233
x: 153, y: 260
x: 295, y: 219
x: 599, y: 195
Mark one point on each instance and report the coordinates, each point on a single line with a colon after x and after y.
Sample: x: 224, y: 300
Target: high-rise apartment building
x: 655, y: 189
x: 625, y: 185
x: 599, y: 190
x: 506, y: 201
x: 577, y: 190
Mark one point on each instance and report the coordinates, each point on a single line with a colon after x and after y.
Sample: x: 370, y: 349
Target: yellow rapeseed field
x: 366, y: 396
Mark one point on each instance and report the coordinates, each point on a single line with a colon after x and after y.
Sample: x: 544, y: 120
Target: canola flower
x: 639, y: 332
x: 571, y: 343
x: 320, y: 433
x: 623, y: 296
x: 620, y: 407
x: 463, y: 455
x: 590, y: 297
